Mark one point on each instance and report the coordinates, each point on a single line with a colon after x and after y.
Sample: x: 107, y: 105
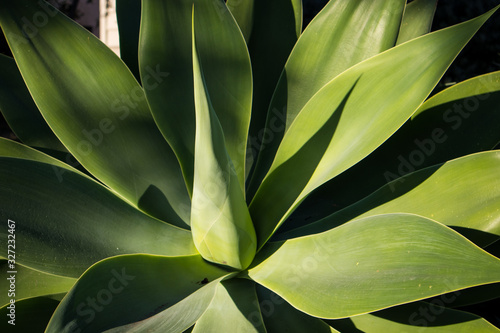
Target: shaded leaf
x: 440, y: 130
x: 234, y: 308
x: 147, y: 284
x: 30, y: 283
x: 417, y: 20
x: 420, y: 317
x: 463, y: 193
x: 350, y: 117
x: 66, y: 221
x: 323, y: 51
x: 96, y: 108
x: 224, y: 57
x: 31, y: 315
x: 279, y: 316
x: 128, y: 15
x: 20, y: 111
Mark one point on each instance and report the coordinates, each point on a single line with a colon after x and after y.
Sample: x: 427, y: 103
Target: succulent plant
x: 233, y: 173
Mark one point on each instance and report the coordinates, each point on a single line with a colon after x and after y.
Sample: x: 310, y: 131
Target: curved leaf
x: 421, y: 317
x: 68, y: 223
x: 146, y: 284
x: 323, y: 51
x: 268, y: 53
x: 31, y: 315
x: 463, y: 193
x: 234, y: 308
x: 95, y: 107
x: 417, y: 20
x: 9, y: 148
x: 279, y: 316
x: 440, y: 130
x: 20, y: 111
x: 372, y: 264
x: 179, y: 317
x: 227, y: 72
x: 222, y: 229
x: 30, y: 283
x: 243, y: 13
x: 351, y: 116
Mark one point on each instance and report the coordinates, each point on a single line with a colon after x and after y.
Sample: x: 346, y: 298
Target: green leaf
x: 417, y: 20
x: 372, y: 264
x: 222, y: 229
x: 95, y: 107
x: 440, y: 130
x: 66, y: 221
x: 20, y: 111
x: 227, y: 72
x: 128, y: 15
x: 420, y: 317
x: 279, y: 316
x: 351, y: 116
x: 179, y: 317
x: 243, y: 13
x: 31, y: 315
x: 323, y: 51
x: 30, y: 283
x: 145, y: 284
x: 268, y: 53
x: 234, y: 308
x: 472, y: 204
x: 9, y: 148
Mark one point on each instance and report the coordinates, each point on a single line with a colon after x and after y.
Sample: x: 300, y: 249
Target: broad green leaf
x: 29, y: 283
x: 243, y: 13
x: 351, y: 116
x: 166, y: 43
x: 128, y: 15
x: 20, y: 111
x: 463, y: 193
x: 9, y: 148
x: 371, y: 264
x: 440, y: 130
x: 323, y: 51
x: 31, y: 315
x: 179, y: 317
x: 417, y: 20
x: 234, y: 308
x: 95, y: 107
x: 279, y: 316
x: 222, y: 229
x: 268, y: 52
x: 66, y: 221
x: 249, y: 15
x: 145, y: 284
x: 420, y: 317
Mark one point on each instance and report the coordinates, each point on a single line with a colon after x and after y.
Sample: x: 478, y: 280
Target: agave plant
x: 234, y: 173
